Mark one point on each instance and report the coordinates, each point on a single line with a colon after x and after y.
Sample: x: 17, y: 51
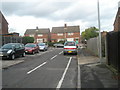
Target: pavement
x: 92, y: 73
x: 6, y: 64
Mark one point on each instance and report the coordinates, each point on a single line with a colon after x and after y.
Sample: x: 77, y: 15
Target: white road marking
x: 79, y: 78
x: 36, y: 67
x: 62, y: 78
x: 61, y: 52
x: 53, y: 57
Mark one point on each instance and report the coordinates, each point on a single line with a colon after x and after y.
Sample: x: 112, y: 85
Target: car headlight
x: 9, y: 51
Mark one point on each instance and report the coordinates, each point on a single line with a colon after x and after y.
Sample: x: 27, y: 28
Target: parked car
x: 12, y: 50
x: 70, y: 47
x: 58, y: 45
x: 43, y: 46
x: 31, y: 48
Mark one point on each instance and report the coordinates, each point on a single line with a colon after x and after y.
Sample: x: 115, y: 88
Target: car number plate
x: 1, y: 55
x: 69, y: 51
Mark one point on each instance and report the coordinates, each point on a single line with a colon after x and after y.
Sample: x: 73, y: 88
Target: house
x: 117, y: 19
x: 69, y: 33
x: 40, y: 35
x: 3, y: 24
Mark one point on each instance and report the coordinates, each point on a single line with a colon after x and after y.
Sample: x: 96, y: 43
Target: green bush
x: 27, y: 39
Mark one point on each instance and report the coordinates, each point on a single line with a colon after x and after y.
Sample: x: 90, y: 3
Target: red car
x: 31, y: 48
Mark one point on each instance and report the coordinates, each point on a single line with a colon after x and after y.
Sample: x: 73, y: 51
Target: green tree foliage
x: 27, y: 39
x: 90, y: 33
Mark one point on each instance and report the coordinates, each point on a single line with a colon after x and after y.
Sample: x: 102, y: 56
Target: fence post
x: 106, y: 54
x: 11, y: 39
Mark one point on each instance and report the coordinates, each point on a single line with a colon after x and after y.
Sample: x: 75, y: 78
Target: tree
x: 89, y: 33
x: 27, y: 39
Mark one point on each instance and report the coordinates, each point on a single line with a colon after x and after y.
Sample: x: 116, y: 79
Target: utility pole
x: 100, y: 49
x: 65, y: 28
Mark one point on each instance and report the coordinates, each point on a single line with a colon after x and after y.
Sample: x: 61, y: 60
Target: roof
x: 40, y: 31
x: 2, y: 16
x: 117, y: 15
x: 68, y: 29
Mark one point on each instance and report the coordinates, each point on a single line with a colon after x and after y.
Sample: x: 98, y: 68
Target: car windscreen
x: 70, y: 44
x: 8, y: 46
x: 30, y: 45
x: 41, y: 44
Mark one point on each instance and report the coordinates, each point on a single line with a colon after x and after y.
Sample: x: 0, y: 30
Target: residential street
x: 50, y: 69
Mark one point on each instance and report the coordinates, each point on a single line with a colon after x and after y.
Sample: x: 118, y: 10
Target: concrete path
x: 93, y: 74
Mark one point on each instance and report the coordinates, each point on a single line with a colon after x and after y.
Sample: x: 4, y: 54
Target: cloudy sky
x: 27, y: 14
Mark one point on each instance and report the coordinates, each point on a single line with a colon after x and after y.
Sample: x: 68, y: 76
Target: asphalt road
x: 50, y: 69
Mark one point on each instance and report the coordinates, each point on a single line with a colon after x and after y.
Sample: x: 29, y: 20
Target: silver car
x: 70, y: 47
x: 43, y: 46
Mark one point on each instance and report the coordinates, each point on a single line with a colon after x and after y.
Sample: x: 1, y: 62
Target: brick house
x: 69, y: 33
x: 40, y: 35
x: 3, y: 24
x: 117, y: 19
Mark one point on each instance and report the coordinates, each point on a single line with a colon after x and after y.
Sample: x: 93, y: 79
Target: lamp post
x: 100, y: 50
x: 65, y: 27
x: 36, y: 34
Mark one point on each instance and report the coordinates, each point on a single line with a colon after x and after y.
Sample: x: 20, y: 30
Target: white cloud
x: 25, y: 14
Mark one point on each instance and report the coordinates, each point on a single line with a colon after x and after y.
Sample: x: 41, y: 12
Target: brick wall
x: 117, y: 21
x: 4, y: 25
x: 55, y: 36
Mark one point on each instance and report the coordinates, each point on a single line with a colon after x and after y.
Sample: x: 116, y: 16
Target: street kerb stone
x: 6, y: 64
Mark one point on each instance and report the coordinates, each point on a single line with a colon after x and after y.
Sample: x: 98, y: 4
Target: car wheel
x: 38, y: 51
x: 23, y: 55
x: 75, y: 53
x: 64, y: 53
x: 12, y: 57
x: 33, y: 52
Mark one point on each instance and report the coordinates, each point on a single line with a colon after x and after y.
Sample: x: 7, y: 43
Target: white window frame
x: 40, y: 35
x: 31, y: 35
x: 60, y: 40
x: 40, y: 40
x: 60, y: 34
x: 70, y: 33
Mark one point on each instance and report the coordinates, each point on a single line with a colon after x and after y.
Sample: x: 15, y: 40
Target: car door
x: 17, y: 50
x: 22, y: 49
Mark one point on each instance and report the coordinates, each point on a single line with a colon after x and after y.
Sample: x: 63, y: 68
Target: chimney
x: 65, y: 25
x: 37, y: 27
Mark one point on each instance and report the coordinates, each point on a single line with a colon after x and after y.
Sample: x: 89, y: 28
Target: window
x: 40, y: 35
x: 31, y: 35
x: 60, y: 40
x: 60, y: 34
x: 39, y: 40
x: 70, y: 44
x: 70, y: 33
